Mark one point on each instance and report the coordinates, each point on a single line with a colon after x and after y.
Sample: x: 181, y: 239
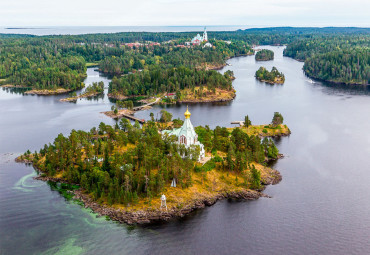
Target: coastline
x: 150, y: 215
x: 85, y: 95
x: 13, y: 86
x: 334, y: 82
x: 47, y: 91
x: 277, y: 81
x: 212, y: 98
x: 264, y: 130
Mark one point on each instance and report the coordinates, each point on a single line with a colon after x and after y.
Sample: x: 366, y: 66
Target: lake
x: 320, y: 207
x: 77, y: 30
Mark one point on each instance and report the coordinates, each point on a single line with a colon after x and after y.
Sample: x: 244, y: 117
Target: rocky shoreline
x: 144, y: 217
x: 74, y: 99
x: 150, y: 216
x: 47, y: 92
x: 276, y: 81
x: 206, y: 100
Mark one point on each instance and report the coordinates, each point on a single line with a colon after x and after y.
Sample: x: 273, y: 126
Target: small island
x: 264, y: 55
x: 275, y: 129
x: 180, y: 84
x: 160, y: 171
x: 96, y: 88
x: 272, y: 77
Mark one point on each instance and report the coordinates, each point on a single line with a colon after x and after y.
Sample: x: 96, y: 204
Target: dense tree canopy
x: 122, y: 163
x: 335, y: 58
x: 273, y: 76
x: 49, y: 62
x: 264, y: 55
x: 346, y: 66
x: 158, y: 80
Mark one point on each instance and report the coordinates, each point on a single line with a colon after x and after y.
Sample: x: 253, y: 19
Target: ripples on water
x: 320, y: 207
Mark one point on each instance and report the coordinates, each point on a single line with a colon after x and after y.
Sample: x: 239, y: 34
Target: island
x: 182, y: 84
x: 96, y: 88
x: 57, y: 64
x: 264, y: 55
x: 156, y: 172
x: 271, y: 77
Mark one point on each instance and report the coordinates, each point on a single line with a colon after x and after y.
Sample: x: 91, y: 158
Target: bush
x: 264, y: 131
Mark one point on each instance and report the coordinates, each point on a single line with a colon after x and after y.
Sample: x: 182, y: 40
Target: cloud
x: 184, y: 12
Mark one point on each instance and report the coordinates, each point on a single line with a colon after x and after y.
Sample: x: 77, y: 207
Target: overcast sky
x: 184, y: 12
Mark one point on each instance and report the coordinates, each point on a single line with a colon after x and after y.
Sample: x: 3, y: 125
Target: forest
x: 120, y: 164
x: 170, y: 80
x: 339, y: 59
x: 273, y: 76
x: 264, y: 55
x: 59, y: 61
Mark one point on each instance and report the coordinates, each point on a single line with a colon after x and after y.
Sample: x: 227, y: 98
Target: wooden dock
x: 129, y: 114
x: 141, y: 107
x: 130, y: 117
x: 240, y: 123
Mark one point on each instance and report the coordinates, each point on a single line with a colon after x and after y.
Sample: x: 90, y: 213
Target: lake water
x: 76, y: 30
x: 321, y: 206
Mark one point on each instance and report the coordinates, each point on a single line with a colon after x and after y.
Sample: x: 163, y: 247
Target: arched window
x: 183, y: 139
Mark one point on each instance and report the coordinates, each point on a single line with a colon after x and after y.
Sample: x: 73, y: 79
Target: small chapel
x: 186, y: 134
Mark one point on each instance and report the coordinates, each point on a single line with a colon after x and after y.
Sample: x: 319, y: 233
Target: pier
x: 240, y: 123
x: 130, y: 117
x: 128, y: 114
x: 142, y: 107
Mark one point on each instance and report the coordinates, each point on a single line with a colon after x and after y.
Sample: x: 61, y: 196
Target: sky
x: 185, y: 13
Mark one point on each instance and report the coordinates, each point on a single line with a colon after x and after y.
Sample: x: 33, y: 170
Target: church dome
x: 187, y: 113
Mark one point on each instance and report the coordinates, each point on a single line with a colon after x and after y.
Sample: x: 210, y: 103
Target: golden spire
x: 187, y: 113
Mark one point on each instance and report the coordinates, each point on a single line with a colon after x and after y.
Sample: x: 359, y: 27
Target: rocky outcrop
x: 152, y: 216
x: 209, y: 100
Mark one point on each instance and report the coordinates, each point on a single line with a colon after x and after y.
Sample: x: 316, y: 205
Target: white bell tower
x: 205, y: 37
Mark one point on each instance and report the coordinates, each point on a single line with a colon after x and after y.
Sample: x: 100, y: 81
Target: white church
x: 186, y: 134
x: 197, y: 40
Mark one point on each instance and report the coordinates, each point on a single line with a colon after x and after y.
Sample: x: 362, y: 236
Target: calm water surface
x: 76, y: 30
x: 321, y: 206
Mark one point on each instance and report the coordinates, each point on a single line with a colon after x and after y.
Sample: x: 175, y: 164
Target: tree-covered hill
x: 343, y: 66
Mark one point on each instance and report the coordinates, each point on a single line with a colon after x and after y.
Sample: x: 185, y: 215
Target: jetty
x: 129, y: 114
x: 130, y: 117
x: 240, y: 123
x: 144, y: 106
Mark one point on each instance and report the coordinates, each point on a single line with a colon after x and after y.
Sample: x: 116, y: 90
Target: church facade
x: 186, y: 135
x: 197, y: 40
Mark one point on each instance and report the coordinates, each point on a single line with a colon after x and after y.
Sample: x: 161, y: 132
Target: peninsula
x: 122, y: 171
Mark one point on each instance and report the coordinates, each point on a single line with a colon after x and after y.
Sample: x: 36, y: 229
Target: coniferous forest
x: 264, y: 55
x: 273, y: 76
x: 51, y: 62
x: 120, y: 164
x: 335, y: 58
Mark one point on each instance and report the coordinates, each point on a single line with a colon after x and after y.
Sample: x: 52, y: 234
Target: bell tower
x: 205, y: 37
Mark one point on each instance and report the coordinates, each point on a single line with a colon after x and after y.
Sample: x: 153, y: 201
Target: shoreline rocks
x: 144, y: 217
x: 150, y: 216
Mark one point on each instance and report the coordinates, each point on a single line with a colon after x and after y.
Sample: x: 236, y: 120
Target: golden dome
x: 187, y: 113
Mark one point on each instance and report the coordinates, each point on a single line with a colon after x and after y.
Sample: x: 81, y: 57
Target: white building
x: 197, y: 40
x: 208, y: 45
x: 186, y: 134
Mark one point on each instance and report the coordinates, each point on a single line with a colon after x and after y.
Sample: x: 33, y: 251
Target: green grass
x: 91, y: 64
